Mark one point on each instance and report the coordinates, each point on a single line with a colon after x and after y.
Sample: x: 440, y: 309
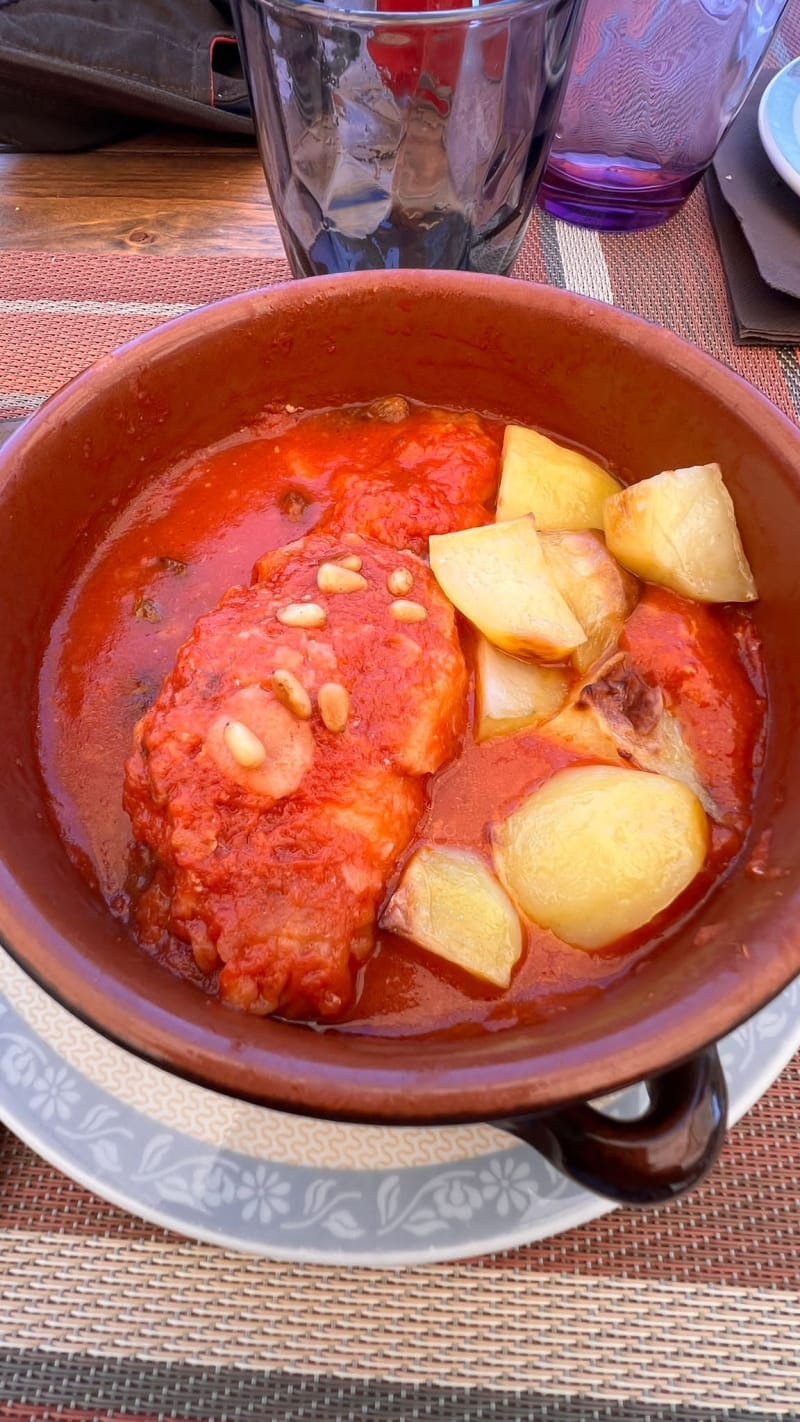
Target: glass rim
x: 476, y: 11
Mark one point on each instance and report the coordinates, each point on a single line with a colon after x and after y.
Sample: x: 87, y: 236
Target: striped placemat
x: 687, y: 1312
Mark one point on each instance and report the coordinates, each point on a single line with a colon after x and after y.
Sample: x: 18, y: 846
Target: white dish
x: 289, y: 1187
x: 779, y: 123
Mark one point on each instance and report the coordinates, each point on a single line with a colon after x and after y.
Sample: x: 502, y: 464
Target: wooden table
x: 172, y: 193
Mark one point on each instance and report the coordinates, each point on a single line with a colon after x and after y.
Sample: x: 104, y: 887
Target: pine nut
x: 334, y: 705
x: 291, y: 693
x: 400, y: 582
x: 352, y: 561
x: 302, y: 614
x: 333, y: 578
x: 406, y: 611
x: 244, y: 745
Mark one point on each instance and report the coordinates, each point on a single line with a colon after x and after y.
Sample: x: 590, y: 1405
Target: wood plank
x: 173, y: 193
x: 202, y: 177
x: 118, y: 223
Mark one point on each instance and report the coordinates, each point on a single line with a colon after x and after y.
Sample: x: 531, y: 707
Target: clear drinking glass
x: 404, y: 139
x: 653, y: 88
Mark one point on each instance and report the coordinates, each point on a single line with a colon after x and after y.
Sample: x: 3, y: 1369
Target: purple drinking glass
x: 654, y: 86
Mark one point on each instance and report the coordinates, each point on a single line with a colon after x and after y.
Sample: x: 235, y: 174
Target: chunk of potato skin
x: 449, y: 902
x: 598, y: 851
x: 497, y: 577
x: 601, y: 593
x: 513, y: 694
x: 679, y: 529
x: 619, y: 718
x: 559, y: 486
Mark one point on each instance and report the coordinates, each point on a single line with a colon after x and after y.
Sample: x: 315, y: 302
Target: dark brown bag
x: 77, y: 73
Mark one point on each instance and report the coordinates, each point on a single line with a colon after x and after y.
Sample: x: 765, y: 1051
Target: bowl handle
x: 658, y: 1156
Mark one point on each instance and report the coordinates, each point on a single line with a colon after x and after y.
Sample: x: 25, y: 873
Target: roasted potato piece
x: 498, y: 578
x: 601, y: 594
x: 559, y: 486
x: 679, y: 529
x: 449, y: 902
x: 579, y: 727
x: 621, y: 718
x: 512, y: 693
x: 597, y: 851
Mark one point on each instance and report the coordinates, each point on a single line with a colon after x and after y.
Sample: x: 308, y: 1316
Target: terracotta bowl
x: 534, y: 355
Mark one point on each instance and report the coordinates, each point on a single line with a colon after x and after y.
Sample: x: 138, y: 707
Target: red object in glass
x: 420, y: 62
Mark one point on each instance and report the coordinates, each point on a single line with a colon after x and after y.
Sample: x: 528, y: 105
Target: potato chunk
x: 621, y: 718
x: 679, y: 529
x: 598, y: 851
x: 601, y: 594
x: 512, y: 694
x: 559, y: 486
x: 449, y: 902
x: 579, y: 727
x: 498, y: 578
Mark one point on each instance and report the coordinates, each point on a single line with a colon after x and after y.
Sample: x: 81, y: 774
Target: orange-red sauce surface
x: 183, y: 541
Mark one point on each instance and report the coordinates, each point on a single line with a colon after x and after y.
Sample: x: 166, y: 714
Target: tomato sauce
x: 184, y: 540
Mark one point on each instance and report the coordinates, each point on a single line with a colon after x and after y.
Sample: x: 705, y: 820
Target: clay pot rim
x: 365, y: 1087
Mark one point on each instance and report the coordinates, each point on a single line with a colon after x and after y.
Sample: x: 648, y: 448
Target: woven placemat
x: 687, y: 1312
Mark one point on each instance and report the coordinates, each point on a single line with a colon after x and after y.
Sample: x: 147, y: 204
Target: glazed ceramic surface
x: 779, y: 123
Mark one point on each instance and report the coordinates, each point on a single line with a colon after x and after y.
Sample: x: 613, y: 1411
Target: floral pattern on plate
x: 304, y: 1212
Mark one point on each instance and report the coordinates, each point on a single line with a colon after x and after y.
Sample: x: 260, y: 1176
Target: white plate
x: 779, y: 123
x: 290, y: 1187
